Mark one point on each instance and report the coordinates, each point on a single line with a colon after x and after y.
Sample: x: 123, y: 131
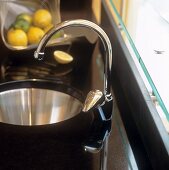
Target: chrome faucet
x: 95, y: 98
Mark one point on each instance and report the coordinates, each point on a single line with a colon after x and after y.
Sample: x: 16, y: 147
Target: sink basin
x: 38, y: 102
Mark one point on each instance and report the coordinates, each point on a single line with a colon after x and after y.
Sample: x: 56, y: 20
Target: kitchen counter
x: 42, y: 149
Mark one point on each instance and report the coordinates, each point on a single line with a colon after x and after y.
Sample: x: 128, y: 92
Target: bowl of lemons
x: 24, y: 23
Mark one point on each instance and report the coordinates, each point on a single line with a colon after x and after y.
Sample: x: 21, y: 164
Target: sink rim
x: 43, y: 84
x: 40, y: 85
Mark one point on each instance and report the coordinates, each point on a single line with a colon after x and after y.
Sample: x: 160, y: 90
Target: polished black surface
x: 45, y: 147
x: 57, y: 146
x: 48, y: 147
x: 21, y: 65
x: 53, y: 146
x: 62, y: 147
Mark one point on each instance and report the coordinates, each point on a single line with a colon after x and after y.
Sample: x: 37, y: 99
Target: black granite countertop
x: 43, y: 149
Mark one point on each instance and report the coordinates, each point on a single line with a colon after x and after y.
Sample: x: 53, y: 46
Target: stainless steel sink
x: 37, y: 103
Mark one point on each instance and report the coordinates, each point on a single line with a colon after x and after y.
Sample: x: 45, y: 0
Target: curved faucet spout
x: 39, y: 53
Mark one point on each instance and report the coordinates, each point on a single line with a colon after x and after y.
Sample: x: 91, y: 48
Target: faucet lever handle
x: 94, y: 98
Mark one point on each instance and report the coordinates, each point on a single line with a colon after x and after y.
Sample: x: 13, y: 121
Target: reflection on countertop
x: 21, y: 65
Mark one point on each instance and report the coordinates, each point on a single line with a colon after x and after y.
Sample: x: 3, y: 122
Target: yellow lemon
x: 62, y: 57
x: 17, y: 37
x: 42, y: 18
x: 46, y: 29
x: 34, y: 35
